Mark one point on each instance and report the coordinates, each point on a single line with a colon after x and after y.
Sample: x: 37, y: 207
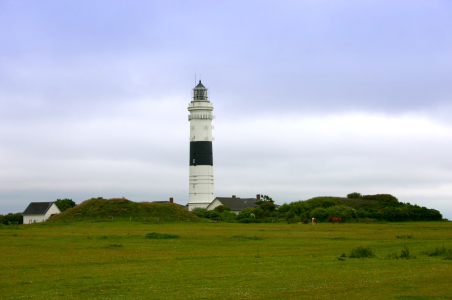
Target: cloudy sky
x: 312, y: 98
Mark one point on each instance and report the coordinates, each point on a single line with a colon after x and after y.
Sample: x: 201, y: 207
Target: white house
x: 236, y: 204
x: 39, y: 212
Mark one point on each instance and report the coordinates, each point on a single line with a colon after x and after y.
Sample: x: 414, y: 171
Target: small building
x: 172, y: 202
x: 39, y: 212
x: 236, y: 204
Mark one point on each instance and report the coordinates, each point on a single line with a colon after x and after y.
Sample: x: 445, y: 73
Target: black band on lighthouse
x: 201, y: 154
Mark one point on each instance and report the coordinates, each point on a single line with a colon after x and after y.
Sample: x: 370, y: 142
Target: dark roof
x: 238, y: 203
x: 200, y: 86
x: 37, y: 208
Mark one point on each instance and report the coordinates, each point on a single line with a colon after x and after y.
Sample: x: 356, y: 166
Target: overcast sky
x: 312, y: 98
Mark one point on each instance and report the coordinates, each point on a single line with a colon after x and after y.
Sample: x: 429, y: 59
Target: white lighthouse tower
x: 201, y: 160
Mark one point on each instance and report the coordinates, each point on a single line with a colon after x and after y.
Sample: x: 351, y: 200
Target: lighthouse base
x: 201, y: 186
x: 191, y: 206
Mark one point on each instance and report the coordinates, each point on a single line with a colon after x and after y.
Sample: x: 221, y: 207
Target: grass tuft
x: 114, y: 246
x: 155, y: 235
x: 243, y: 237
x: 362, y: 252
x: 404, y: 254
x: 405, y: 236
x: 439, y: 251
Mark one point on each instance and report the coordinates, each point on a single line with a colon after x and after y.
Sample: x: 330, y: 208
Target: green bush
x: 319, y: 213
x: 250, y: 220
x: 259, y: 213
x: 222, y: 208
x: 212, y: 214
x: 362, y: 252
x: 341, y: 211
x: 245, y: 213
x: 228, y: 216
x: 155, y: 235
x: 199, y: 212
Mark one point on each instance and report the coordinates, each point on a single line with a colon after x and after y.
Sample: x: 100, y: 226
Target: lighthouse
x: 201, y: 189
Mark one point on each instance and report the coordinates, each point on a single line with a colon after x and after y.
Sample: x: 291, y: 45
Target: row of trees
x: 355, y: 206
x: 13, y: 218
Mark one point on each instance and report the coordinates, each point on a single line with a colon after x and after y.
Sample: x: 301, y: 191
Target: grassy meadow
x: 114, y: 260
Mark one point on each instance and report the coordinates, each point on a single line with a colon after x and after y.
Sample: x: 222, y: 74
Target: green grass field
x: 114, y: 260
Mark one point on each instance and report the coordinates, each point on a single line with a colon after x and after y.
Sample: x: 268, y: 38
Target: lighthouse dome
x: 200, y: 92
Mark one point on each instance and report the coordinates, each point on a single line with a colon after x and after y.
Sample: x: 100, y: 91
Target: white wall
x: 214, y: 204
x: 53, y: 210
x: 34, y: 218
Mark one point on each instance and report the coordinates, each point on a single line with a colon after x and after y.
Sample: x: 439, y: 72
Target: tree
x: 268, y: 206
x: 264, y: 198
x: 64, y: 204
x: 354, y: 196
x: 245, y: 213
x: 284, y: 208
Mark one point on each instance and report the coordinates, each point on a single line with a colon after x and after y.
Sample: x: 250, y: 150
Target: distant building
x: 170, y: 201
x: 39, y: 212
x: 236, y: 204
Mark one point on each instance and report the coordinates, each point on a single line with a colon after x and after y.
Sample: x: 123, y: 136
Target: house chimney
x: 170, y: 200
x: 258, y: 197
x: 233, y: 196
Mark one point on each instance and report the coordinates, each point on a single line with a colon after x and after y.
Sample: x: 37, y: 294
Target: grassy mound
x: 121, y: 208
